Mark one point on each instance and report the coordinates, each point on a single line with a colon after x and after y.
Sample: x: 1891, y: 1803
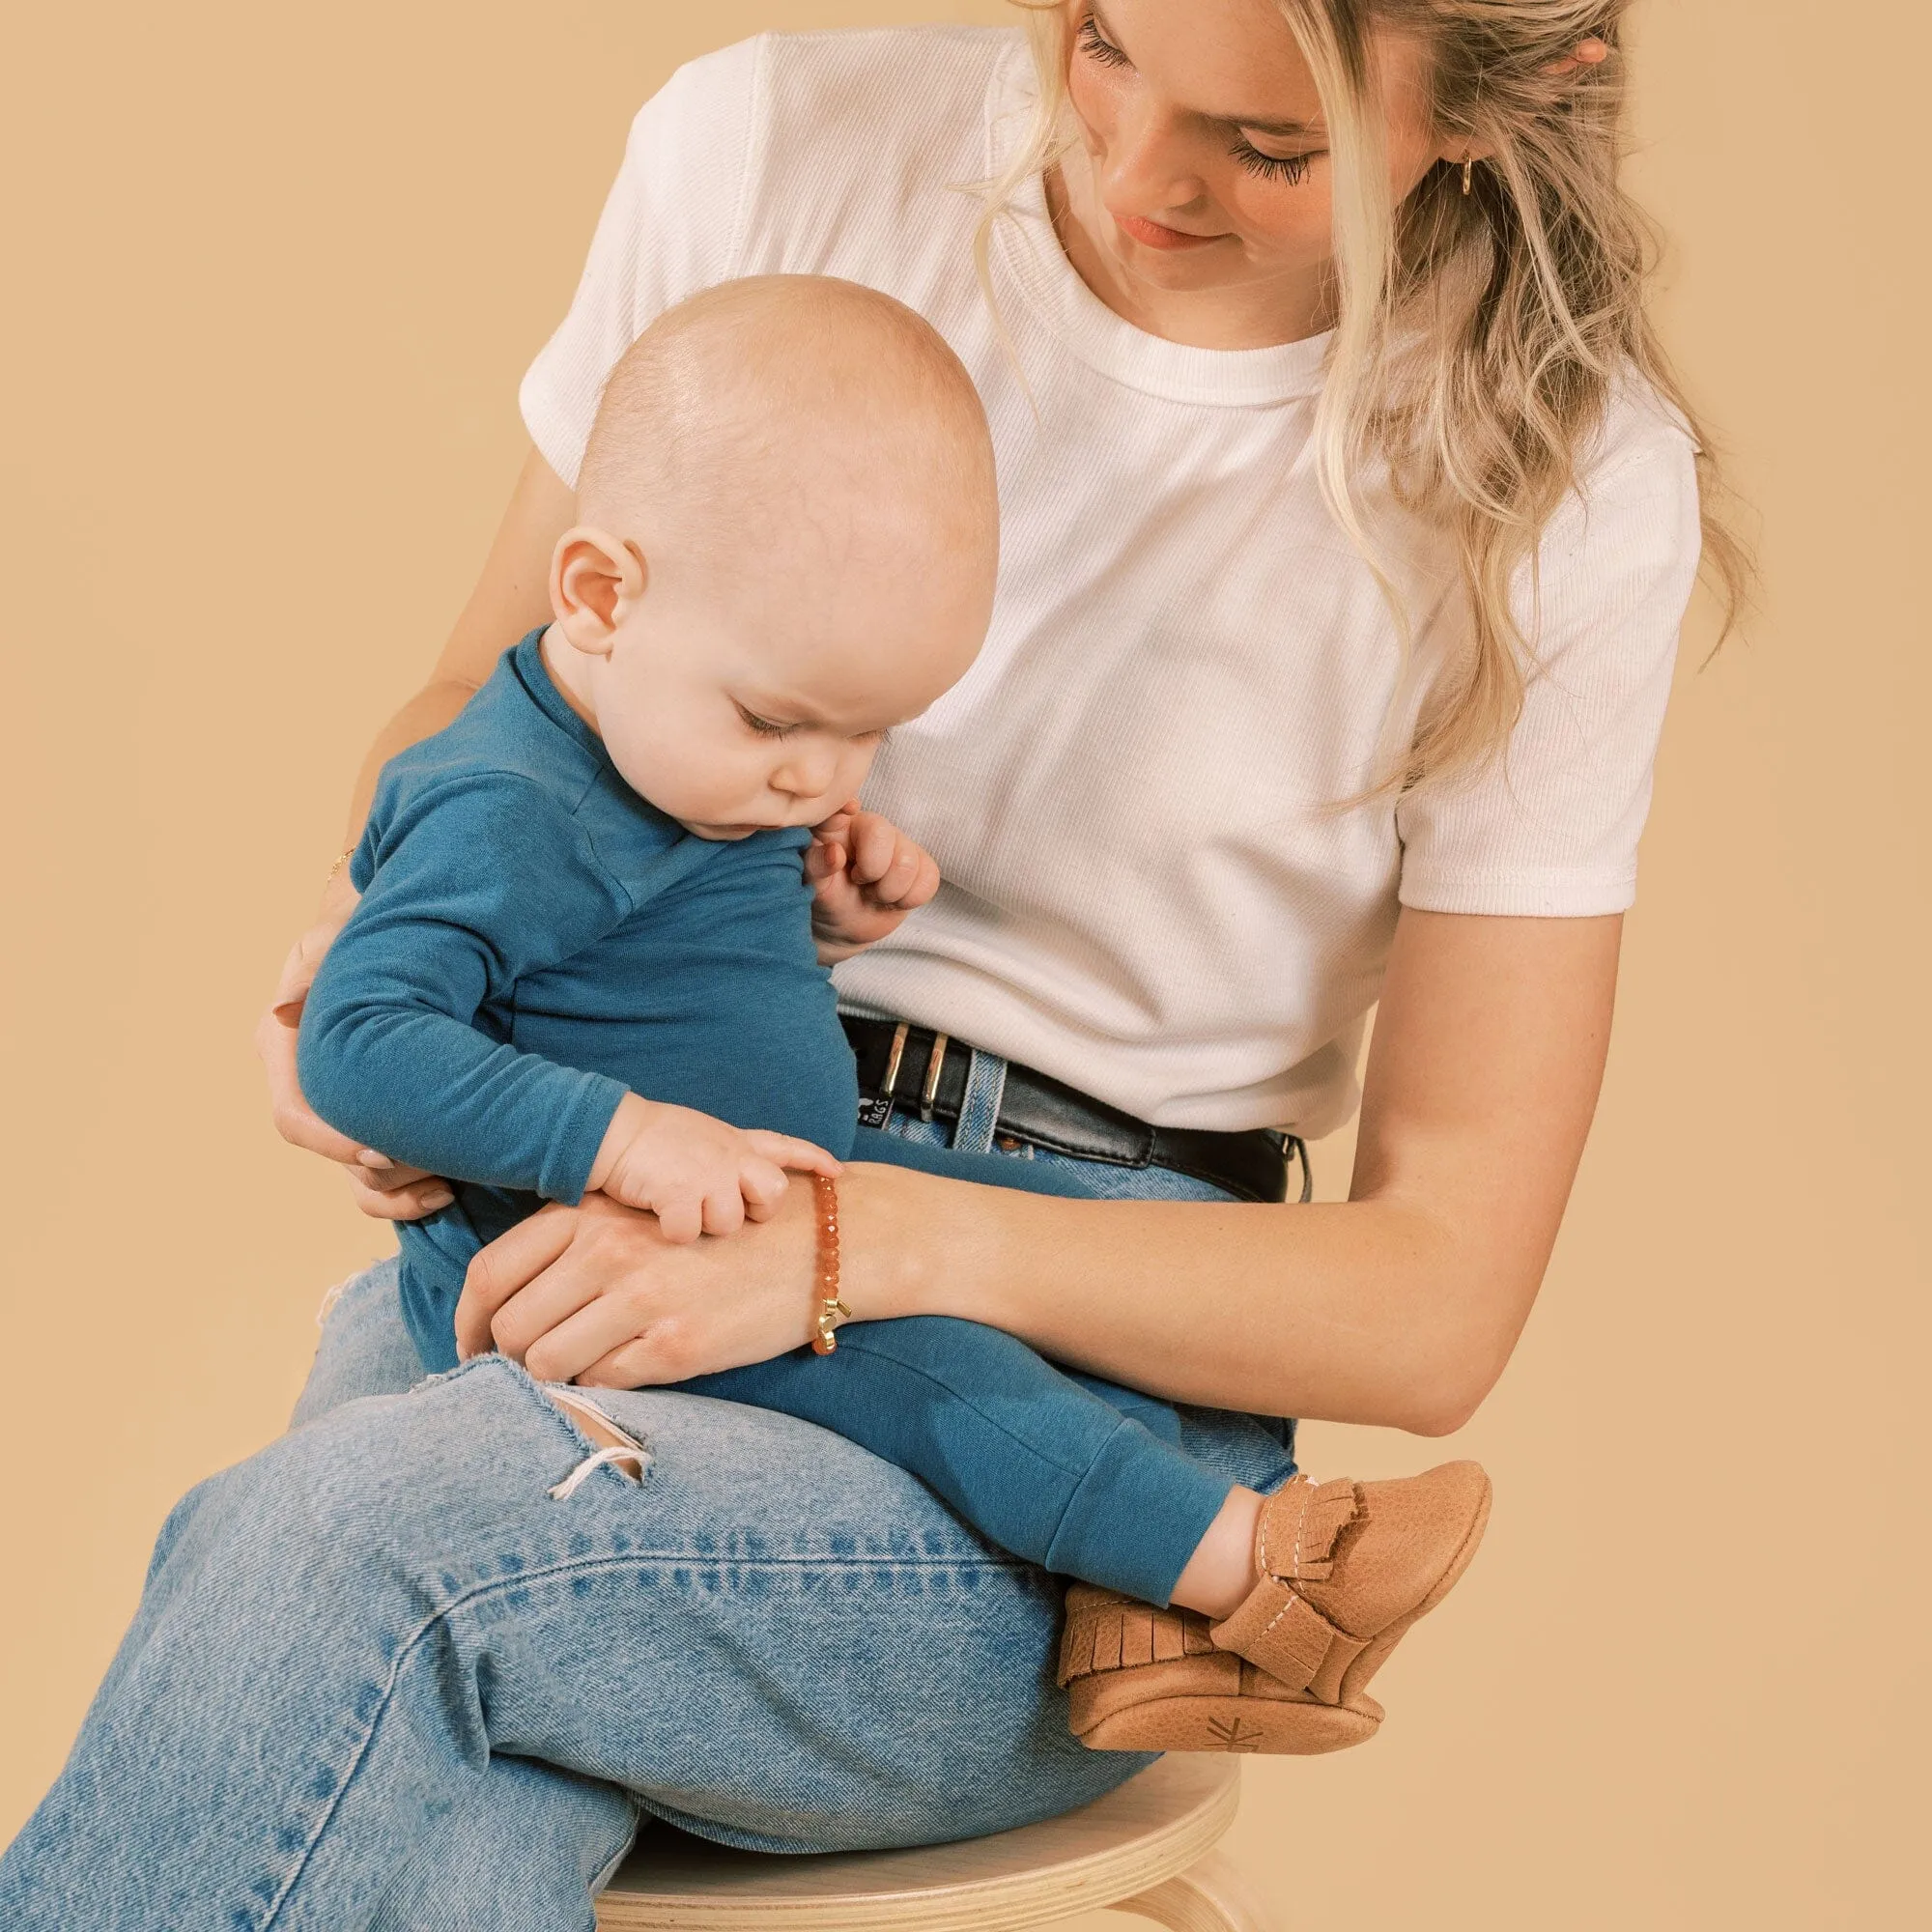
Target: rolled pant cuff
x: 1138, y: 1516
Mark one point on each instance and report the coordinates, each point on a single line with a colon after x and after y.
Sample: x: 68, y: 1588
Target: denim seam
x: 548, y: 1574
x: 614, y: 1863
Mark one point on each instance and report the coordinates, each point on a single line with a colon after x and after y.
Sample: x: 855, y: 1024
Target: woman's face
x: 1208, y: 151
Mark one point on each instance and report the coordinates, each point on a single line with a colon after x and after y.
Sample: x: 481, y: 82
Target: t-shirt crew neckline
x: 1027, y: 248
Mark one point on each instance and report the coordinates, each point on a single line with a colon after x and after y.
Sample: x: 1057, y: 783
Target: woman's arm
x: 1398, y: 1307
x: 1402, y: 1305
x: 512, y: 596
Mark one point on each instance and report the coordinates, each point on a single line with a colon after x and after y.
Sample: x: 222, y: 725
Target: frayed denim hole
x: 630, y: 1458
x: 594, y: 1455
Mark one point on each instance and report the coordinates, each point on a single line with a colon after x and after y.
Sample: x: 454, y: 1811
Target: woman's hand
x: 598, y: 1296
x: 382, y: 1189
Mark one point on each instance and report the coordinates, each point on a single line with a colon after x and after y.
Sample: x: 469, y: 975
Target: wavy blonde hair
x: 1518, y: 308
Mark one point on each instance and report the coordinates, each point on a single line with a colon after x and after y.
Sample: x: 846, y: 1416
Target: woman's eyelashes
x: 1098, y: 48
x: 1288, y: 169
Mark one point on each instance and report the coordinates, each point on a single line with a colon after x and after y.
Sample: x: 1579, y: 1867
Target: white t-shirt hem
x: 1526, y: 895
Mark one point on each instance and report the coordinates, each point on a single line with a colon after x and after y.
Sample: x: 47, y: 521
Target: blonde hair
x: 1477, y: 337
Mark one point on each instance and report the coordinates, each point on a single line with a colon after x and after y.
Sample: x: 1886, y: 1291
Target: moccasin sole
x: 1212, y: 1704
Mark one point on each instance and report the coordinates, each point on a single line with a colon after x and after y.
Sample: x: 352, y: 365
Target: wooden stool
x: 1146, y: 1849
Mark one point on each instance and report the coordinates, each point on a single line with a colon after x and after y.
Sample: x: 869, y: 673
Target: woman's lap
x: 365, y: 1348
x: 883, y: 1672
x: 382, y: 1638
x: 776, y: 1638
x: 851, y: 1663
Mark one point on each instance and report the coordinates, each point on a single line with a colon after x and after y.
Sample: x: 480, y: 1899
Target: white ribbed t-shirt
x: 1149, y: 892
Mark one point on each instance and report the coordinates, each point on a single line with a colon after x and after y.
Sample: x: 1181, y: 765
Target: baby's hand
x: 697, y: 1175
x: 868, y: 875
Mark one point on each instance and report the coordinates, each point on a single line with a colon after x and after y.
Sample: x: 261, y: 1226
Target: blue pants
x: 1071, y: 1473
x: 1067, y: 1471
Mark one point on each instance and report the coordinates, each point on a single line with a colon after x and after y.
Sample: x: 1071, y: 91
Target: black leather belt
x: 915, y: 1070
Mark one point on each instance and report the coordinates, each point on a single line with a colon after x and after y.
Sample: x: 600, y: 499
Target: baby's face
x: 751, y: 692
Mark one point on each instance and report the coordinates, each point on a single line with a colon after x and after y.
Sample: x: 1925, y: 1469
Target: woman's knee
x: 386, y: 1484
x: 364, y: 1349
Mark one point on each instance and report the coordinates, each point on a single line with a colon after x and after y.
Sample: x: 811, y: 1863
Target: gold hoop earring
x: 1468, y: 174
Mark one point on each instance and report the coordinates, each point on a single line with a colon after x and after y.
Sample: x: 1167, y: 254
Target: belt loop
x: 935, y: 1061
x: 980, y: 1106
x: 1293, y: 1148
x: 878, y: 1109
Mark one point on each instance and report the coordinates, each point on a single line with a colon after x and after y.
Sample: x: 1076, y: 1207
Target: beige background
x: 273, y: 273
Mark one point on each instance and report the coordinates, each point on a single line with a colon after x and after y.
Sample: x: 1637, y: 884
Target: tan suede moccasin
x: 1345, y: 1569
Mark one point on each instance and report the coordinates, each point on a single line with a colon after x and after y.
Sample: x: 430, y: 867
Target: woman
x: 1350, y: 520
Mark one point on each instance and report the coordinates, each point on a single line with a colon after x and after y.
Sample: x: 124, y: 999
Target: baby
x: 584, y: 959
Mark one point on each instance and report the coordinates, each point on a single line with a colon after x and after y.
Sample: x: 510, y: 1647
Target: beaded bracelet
x: 831, y: 1310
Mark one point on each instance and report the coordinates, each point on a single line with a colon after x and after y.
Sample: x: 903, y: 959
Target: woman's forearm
x: 512, y: 596
x: 1398, y: 1307
x: 433, y: 707
x: 1347, y: 1312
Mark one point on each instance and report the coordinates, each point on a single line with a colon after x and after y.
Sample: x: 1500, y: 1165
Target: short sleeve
x: 1551, y: 827
x: 671, y: 227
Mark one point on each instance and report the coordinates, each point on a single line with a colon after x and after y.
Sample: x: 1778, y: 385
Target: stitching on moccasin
x: 1301, y: 1522
x: 1261, y: 1540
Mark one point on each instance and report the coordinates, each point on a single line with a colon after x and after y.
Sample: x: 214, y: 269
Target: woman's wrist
x: 887, y: 1218
x: 916, y: 1243
x: 338, y: 895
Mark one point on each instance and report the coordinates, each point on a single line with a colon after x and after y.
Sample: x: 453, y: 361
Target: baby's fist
x: 866, y: 876
x: 698, y: 1175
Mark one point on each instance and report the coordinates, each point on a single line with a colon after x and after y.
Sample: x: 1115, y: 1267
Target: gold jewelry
x: 1468, y: 172
x: 831, y: 1310
x: 341, y: 860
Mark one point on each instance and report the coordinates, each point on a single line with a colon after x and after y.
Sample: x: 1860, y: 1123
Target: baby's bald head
x: 780, y: 395
x: 788, y: 539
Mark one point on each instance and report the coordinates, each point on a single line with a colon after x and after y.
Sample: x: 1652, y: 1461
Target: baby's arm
x: 467, y: 889
x: 866, y: 875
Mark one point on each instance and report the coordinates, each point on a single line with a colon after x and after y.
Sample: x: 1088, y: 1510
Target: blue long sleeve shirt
x: 533, y: 939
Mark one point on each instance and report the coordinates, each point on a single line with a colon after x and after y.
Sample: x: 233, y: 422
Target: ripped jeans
x: 396, y: 1672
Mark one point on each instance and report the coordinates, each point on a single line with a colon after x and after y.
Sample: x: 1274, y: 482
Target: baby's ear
x: 595, y: 582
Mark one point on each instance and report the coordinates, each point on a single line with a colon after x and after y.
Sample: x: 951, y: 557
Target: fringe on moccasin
x: 1343, y: 1569
x: 1106, y: 1630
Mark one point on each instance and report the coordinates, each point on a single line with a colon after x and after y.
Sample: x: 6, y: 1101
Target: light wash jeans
x: 380, y: 1680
